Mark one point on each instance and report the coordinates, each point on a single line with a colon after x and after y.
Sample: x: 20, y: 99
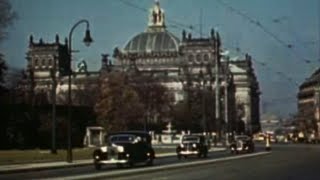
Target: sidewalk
x: 15, y: 168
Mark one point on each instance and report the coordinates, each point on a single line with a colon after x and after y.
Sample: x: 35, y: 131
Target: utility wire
x: 178, y: 25
x: 266, y: 66
x: 264, y: 29
x: 293, y: 34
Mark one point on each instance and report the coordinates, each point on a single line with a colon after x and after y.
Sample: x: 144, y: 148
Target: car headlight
x: 104, y: 149
x: 194, y: 145
x: 120, y: 149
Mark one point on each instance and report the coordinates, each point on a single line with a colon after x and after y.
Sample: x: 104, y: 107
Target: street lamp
x: 226, y: 102
x: 53, y: 97
x: 217, y: 57
x: 202, y: 87
x: 87, y: 41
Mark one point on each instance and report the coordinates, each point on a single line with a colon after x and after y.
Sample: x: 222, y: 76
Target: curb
x: 39, y: 167
x: 111, y: 174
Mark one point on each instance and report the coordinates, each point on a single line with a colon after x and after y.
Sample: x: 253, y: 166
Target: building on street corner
x: 181, y: 64
x: 309, y: 104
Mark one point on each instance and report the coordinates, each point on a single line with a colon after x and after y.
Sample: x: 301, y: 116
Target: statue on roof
x: 156, y: 17
x: 82, y: 66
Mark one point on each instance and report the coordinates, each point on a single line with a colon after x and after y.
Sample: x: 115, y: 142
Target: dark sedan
x: 242, y: 143
x: 125, y: 148
x: 192, y: 145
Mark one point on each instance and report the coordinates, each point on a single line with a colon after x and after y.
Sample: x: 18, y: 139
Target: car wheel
x: 130, y: 163
x: 97, y: 166
x: 185, y: 156
x: 150, y: 161
x: 119, y: 165
x: 252, y: 149
x: 199, y: 155
x: 205, y: 154
x: 179, y: 156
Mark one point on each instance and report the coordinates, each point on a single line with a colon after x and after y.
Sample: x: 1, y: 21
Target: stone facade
x: 308, y: 103
x: 247, y: 93
x: 44, y: 61
x: 177, y: 64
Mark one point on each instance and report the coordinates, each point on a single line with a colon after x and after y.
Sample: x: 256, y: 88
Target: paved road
x: 84, y: 170
x: 286, y: 162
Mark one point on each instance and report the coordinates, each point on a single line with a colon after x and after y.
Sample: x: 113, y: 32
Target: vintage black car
x: 192, y: 145
x: 241, y: 143
x: 125, y: 148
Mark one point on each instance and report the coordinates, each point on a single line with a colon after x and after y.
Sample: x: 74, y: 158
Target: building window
x: 198, y: 58
x: 43, y: 62
x: 50, y: 62
x: 36, y: 62
x: 190, y: 58
x: 205, y: 57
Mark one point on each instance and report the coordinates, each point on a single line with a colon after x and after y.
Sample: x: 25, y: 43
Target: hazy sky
x: 114, y: 22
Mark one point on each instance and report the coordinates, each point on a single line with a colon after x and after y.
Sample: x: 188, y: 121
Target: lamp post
x: 203, y: 105
x: 226, y: 102
x: 87, y: 40
x: 217, y: 84
x: 53, y: 96
x: 187, y: 88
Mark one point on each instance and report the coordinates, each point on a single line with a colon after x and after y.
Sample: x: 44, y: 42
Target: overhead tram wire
x: 172, y: 23
x: 293, y: 34
x: 266, y: 66
x: 264, y: 29
x: 178, y: 25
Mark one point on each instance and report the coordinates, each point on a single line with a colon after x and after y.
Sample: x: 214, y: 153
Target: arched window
x: 36, y: 62
x: 198, y: 58
x: 50, y: 62
x: 43, y: 62
x: 205, y: 57
x: 190, y: 58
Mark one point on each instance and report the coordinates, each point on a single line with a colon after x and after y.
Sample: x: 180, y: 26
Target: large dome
x: 153, y: 41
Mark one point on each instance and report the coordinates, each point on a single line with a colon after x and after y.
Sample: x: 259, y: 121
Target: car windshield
x: 122, y: 139
x: 190, y: 139
x: 242, y: 138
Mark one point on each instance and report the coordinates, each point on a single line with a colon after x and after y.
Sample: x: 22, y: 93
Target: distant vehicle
x: 125, y: 148
x: 260, y: 137
x: 273, y: 138
x: 193, y: 145
x: 242, y: 143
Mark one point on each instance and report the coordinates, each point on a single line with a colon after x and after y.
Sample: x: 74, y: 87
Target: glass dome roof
x: 153, y: 41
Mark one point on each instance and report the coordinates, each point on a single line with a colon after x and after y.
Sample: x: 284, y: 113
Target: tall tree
x: 7, y: 15
x: 3, y: 69
x: 118, y: 107
x: 156, y: 99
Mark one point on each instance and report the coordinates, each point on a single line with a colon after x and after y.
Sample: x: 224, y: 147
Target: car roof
x: 242, y: 136
x: 135, y: 133
x: 192, y: 135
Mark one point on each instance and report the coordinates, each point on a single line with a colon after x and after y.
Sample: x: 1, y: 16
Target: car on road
x: 241, y: 143
x: 125, y: 148
x: 193, y: 145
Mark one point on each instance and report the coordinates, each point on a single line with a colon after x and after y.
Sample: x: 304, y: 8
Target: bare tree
x: 7, y: 16
x: 155, y: 97
x: 118, y: 106
x: 3, y: 69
